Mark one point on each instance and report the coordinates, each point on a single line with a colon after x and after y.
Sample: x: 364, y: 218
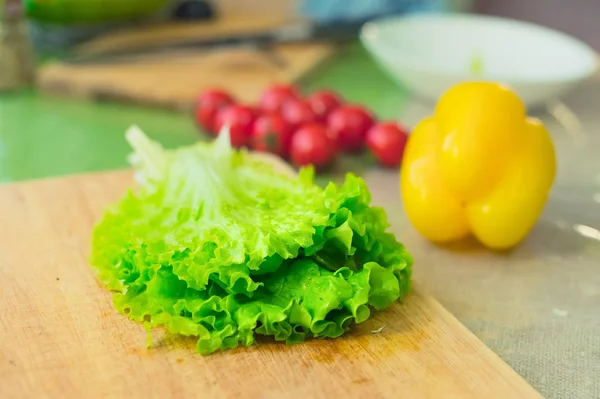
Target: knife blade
x: 303, y: 31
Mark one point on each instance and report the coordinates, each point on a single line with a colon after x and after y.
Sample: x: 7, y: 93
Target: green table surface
x: 42, y: 136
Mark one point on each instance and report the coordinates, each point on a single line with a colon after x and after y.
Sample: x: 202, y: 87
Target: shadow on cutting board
x: 398, y: 332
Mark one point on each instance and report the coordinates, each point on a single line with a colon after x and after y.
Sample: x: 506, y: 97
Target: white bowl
x: 430, y: 53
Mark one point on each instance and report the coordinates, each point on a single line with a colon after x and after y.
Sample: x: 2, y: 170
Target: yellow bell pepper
x: 478, y: 166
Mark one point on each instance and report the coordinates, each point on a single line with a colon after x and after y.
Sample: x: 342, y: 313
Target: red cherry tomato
x: 271, y: 133
x: 348, y: 126
x: 274, y: 97
x: 323, y: 103
x: 208, y: 105
x: 239, y: 118
x: 311, y: 145
x: 386, y: 141
x: 298, y: 113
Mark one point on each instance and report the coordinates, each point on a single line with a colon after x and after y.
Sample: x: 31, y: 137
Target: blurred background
x: 99, y: 32
x: 36, y: 31
x: 147, y: 61
x: 62, y: 22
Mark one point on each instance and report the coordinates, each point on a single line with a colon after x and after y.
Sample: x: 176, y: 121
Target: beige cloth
x: 537, y: 307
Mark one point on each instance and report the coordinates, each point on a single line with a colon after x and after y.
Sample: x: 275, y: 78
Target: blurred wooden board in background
x: 173, y: 79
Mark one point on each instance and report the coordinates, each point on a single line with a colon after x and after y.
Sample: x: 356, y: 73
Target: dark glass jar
x: 16, y: 61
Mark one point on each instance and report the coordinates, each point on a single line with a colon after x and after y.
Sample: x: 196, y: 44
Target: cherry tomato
x: 298, y: 113
x: 271, y: 133
x: 348, y: 126
x: 323, y: 103
x: 311, y: 145
x: 208, y: 105
x: 386, y: 140
x: 274, y: 97
x: 239, y: 118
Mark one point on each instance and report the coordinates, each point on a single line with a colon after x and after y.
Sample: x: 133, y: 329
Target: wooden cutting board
x: 173, y: 80
x: 60, y: 336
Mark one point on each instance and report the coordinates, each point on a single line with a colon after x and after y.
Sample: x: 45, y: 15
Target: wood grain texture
x: 61, y: 337
x: 173, y: 80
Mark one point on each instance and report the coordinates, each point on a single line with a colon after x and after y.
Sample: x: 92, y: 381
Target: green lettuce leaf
x: 219, y: 245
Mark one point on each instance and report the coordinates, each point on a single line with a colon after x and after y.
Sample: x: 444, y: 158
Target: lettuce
x: 219, y: 245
